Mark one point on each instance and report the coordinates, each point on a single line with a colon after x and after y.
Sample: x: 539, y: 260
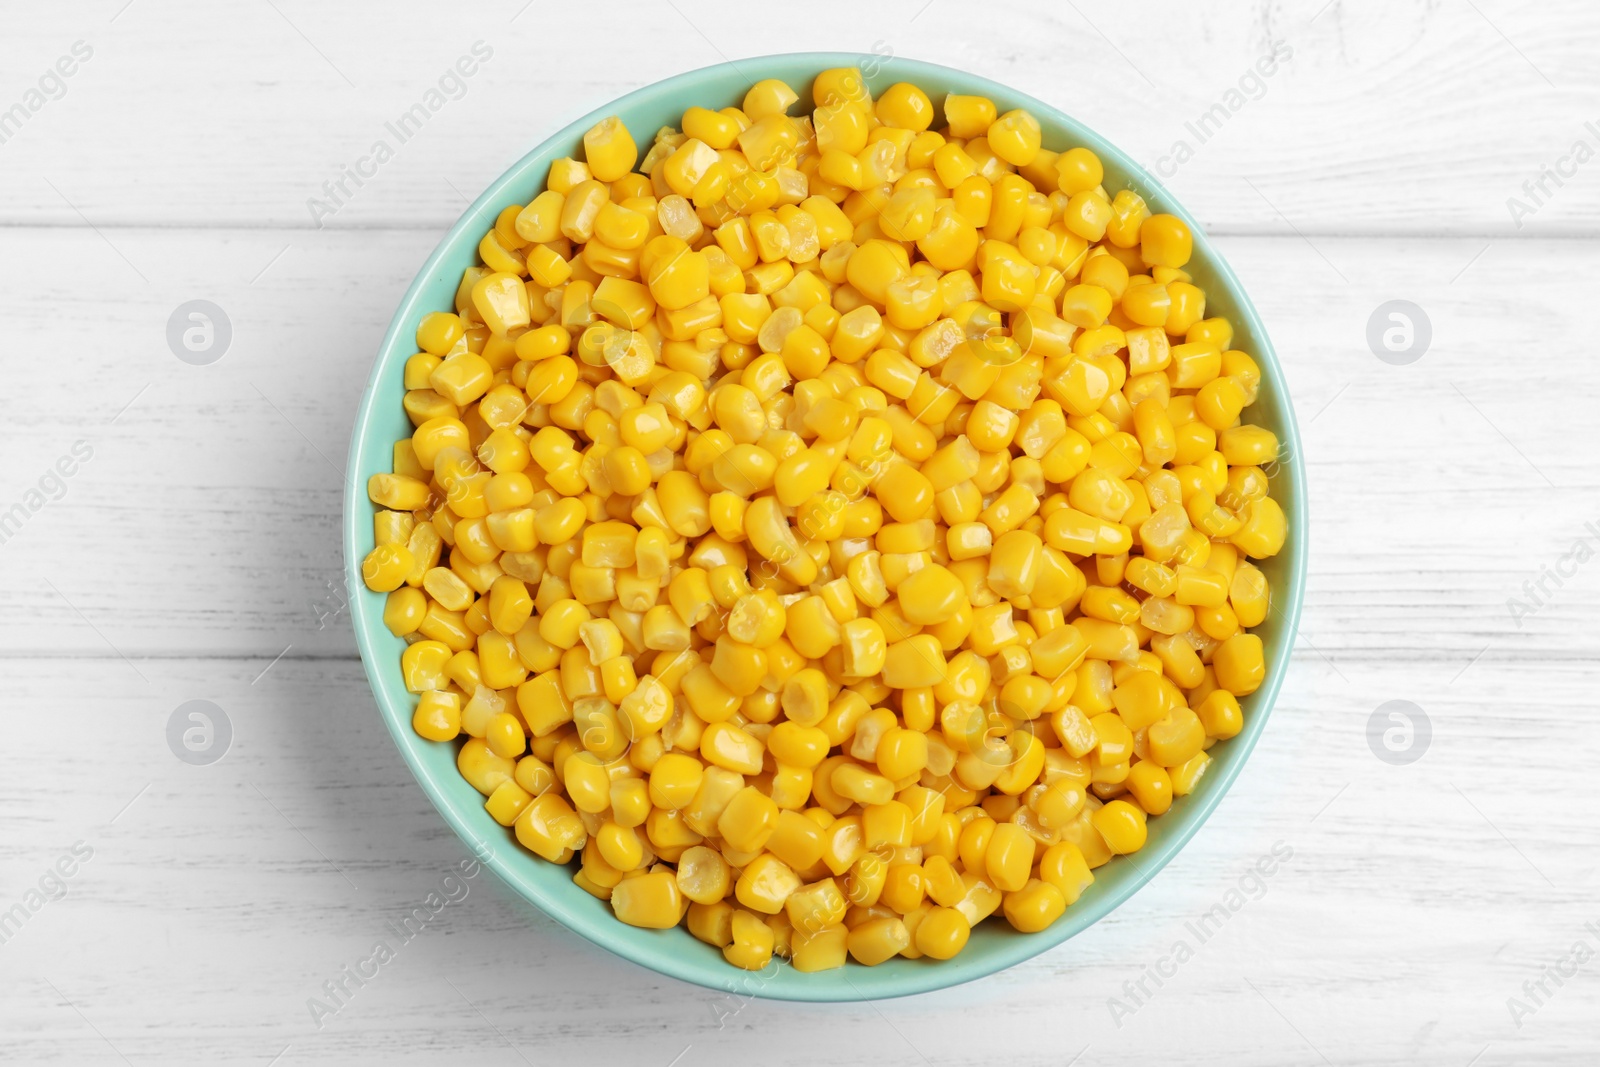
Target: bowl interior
x: 381, y: 422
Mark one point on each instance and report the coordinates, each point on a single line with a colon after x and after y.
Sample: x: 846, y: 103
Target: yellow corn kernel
x: 904, y: 492
x: 510, y: 606
x: 768, y: 97
x: 540, y: 221
x: 770, y: 141
x: 739, y: 667
x: 1219, y: 402
x: 796, y: 840
x: 1193, y: 364
x: 438, y: 715
x: 651, y: 900
x: 875, y: 265
x: 439, y: 331
x: 1014, y: 563
x: 820, y: 951
x: 1078, y: 170
x: 731, y: 748
x: 1165, y: 241
x: 507, y: 802
x: 1015, y: 137
x: 711, y: 923
x: 904, y: 106
x: 748, y: 821
x: 675, y: 780
x: 619, y: 846
x: 944, y: 885
x: 559, y: 624
x: 1121, y: 825
x: 387, y: 567
x: 915, y: 661
x: 703, y: 876
x: 404, y: 610
x: 706, y: 696
x: 644, y: 709
x: 1176, y: 739
x: 1220, y: 715
x: 1263, y: 528
x: 1240, y: 664
x: 501, y: 301
x: 752, y: 942
x: 1086, y: 306
x: 549, y: 827
x: 586, y: 783
x: 462, y: 378
x: 1034, y: 907
x: 854, y: 782
x: 504, y: 736
x: 816, y: 906
x: 1179, y: 659
x: 1063, y: 865
x: 943, y: 933
x: 609, y: 150
x: 1128, y: 213
x: 968, y: 116
x: 398, y: 491
x: 482, y: 769
x: 1151, y: 786
x: 865, y: 884
x: 877, y: 940
x: 991, y: 427
x: 1145, y: 697
x: 904, y: 888
x: 630, y: 798
x: 968, y: 540
x: 1025, y: 762
x: 1009, y: 857
x: 1186, y: 777
x: 766, y: 884
x: 1057, y: 804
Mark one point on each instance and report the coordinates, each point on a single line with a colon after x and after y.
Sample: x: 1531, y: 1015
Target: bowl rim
x: 366, y: 612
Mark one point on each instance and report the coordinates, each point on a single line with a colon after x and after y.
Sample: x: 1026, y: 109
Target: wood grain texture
x: 222, y: 897
x: 207, y: 518
x: 194, y: 555
x: 1414, y: 116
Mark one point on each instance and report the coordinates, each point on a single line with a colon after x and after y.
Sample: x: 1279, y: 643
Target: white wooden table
x: 194, y: 554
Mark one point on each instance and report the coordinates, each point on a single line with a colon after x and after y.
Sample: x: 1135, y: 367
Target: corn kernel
x: 943, y: 933
x: 651, y: 900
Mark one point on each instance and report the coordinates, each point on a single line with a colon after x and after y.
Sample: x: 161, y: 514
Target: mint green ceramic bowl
x: 381, y: 421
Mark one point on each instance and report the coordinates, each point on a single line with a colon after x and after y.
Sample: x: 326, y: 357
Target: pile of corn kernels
x: 829, y: 531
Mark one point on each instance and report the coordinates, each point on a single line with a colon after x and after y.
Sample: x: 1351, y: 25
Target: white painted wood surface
x: 199, y: 541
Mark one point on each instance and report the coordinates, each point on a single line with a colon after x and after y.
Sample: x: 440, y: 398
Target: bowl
x: 380, y: 421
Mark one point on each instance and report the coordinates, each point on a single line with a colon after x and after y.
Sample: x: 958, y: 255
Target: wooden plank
x: 206, y: 521
x: 1388, y: 117
x: 218, y: 899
